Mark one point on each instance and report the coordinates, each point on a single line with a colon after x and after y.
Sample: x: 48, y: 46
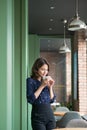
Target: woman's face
x: 43, y: 70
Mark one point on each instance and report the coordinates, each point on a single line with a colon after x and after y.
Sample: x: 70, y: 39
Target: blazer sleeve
x: 30, y: 91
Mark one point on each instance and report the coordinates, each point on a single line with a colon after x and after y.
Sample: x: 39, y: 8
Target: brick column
x: 82, y: 72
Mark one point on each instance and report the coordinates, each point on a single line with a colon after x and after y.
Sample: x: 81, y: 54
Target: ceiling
x: 46, y: 16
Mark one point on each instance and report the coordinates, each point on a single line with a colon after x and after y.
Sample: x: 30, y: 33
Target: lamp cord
x: 77, y: 8
x: 64, y: 32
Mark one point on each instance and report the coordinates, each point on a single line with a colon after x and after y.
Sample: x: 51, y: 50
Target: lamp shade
x: 64, y: 49
x: 76, y: 24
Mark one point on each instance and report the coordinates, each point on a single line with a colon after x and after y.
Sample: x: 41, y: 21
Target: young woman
x: 40, y: 94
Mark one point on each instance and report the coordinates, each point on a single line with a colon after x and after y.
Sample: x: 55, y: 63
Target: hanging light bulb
x: 76, y: 24
x: 64, y: 48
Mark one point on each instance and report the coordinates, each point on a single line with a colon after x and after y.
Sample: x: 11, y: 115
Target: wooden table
x: 55, y: 104
x: 70, y: 129
x: 59, y: 113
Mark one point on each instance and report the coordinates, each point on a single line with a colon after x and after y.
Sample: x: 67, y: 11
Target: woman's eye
x: 44, y: 70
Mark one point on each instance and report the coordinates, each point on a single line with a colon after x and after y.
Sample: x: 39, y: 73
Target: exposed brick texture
x: 60, y: 70
x: 82, y: 72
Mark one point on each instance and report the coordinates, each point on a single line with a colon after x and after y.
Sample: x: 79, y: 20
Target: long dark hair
x: 38, y: 64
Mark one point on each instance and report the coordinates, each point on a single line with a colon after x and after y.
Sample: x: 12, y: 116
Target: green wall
x: 33, y: 53
x: 3, y: 66
x: 13, y: 64
x: 34, y: 49
x: 17, y: 53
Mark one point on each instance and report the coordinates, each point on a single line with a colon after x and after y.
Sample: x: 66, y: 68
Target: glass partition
x: 60, y: 67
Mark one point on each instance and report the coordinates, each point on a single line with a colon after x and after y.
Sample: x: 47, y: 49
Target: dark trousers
x: 42, y: 117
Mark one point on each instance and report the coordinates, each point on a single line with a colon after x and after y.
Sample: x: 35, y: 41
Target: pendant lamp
x: 76, y: 24
x: 64, y: 48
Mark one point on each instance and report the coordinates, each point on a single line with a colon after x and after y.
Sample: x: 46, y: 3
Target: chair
x: 84, y: 117
x: 60, y: 108
x: 77, y: 123
x: 66, y: 118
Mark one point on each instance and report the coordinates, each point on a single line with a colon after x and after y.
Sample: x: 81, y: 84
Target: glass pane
x: 60, y: 67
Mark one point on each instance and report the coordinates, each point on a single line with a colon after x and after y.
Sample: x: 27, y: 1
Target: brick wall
x: 68, y: 76
x: 60, y: 70
x: 82, y: 72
